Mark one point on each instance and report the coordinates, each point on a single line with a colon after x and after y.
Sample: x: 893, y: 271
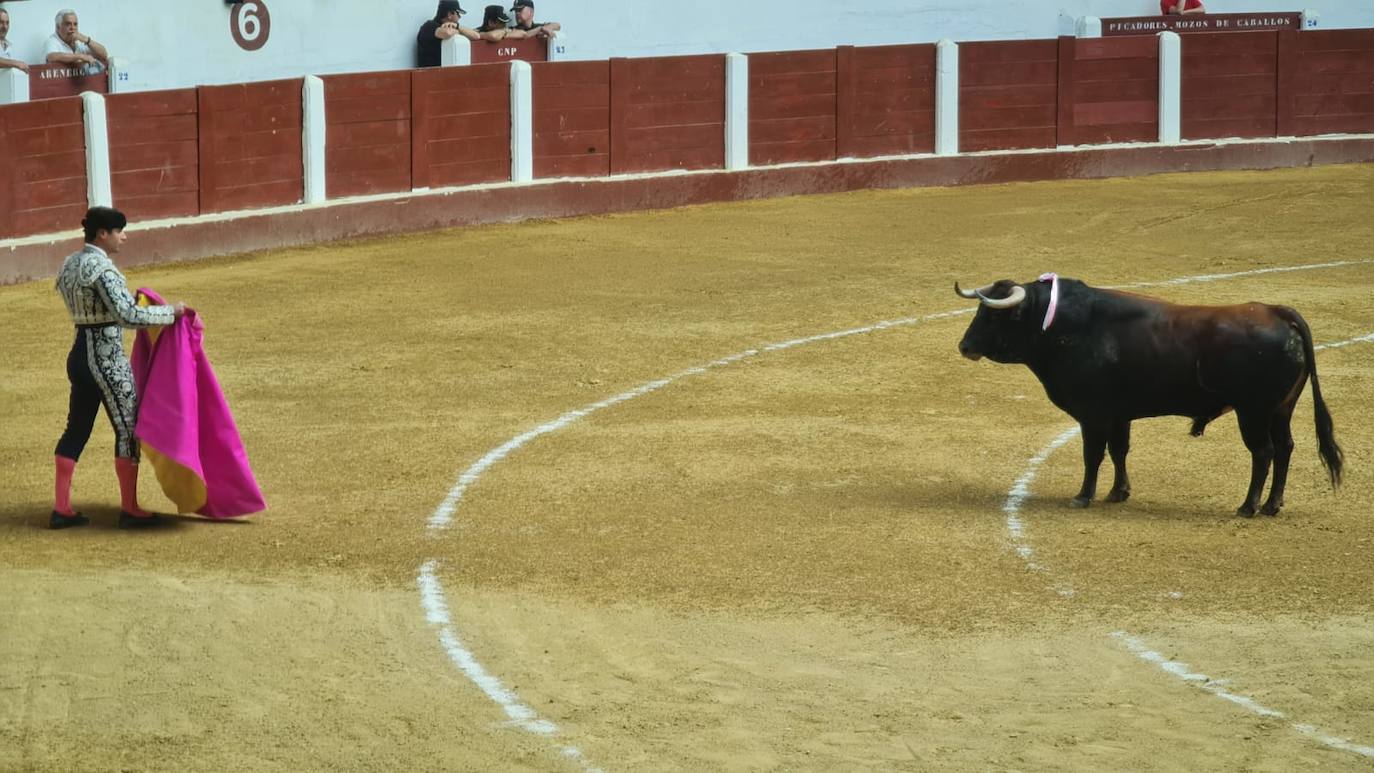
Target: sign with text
x: 525, y: 49
x: 1201, y: 22
x: 47, y: 81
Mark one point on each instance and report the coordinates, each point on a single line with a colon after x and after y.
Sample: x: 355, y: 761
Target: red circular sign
x: 250, y: 24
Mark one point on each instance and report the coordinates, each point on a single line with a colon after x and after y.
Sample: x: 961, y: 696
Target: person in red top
x: 1171, y: 7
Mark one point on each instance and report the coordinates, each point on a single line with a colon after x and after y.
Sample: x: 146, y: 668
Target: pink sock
x: 127, y: 471
x: 62, y: 494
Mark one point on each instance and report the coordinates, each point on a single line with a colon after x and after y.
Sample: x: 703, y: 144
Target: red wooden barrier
x: 460, y: 126
x: 154, y: 153
x: 1230, y: 85
x: 1008, y: 91
x: 524, y: 49
x: 1108, y: 90
x: 50, y: 81
x: 250, y: 145
x: 1330, y: 84
x: 43, y: 177
x: 792, y: 106
x: 572, y: 119
x: 667, y: 113
x: 886, y: 100
x: 367, y: 133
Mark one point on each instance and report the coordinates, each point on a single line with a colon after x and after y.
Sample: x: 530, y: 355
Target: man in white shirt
x: 6, y: 57
x: 68, y: 46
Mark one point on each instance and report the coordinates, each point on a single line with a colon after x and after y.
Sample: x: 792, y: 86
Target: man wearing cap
x: 524, y: 21
x: 494, y: 21
x: 434, y: 32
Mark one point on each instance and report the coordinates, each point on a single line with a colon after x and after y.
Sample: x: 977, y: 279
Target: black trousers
x: 100, y: 374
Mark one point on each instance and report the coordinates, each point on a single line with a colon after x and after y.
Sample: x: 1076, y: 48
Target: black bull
x: 1111, y: 357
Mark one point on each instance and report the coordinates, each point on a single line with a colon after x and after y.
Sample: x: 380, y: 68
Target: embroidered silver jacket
x: 96, y: 293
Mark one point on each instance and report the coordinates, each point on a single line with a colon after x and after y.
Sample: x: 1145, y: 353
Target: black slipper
x: 130, y: 521
x: 59, y: 521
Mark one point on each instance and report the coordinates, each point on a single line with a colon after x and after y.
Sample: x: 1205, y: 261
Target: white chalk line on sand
x: 431, y: 589
x: 1217, y: 688
x: 1016, y: 528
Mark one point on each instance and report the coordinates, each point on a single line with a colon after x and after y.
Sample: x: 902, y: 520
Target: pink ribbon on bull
x: 1053, y: 279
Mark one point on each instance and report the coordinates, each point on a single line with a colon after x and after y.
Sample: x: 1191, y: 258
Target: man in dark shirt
x: 524, y: 21
x: 434, y: 32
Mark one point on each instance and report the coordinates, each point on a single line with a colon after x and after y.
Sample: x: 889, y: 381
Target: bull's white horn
x: 971, y: 294
x: 1018, y: 294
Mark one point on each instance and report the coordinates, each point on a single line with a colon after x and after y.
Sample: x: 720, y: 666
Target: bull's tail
x: 1332, y: 455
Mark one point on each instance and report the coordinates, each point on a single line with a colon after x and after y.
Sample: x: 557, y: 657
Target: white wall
x: 175, y: 43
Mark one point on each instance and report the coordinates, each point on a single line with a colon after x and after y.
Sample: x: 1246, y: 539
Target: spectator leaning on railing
x: 1176, y: 7
x: 494, y: 21
x: 7, y: 59
x: 524, y: 21
x: 434, y: 32
x: 69, y: 46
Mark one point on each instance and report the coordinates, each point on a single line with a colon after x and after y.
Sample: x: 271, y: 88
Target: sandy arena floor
x: 797, y: 559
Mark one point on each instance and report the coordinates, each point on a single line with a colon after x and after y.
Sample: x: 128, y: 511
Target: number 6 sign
x: 250, y: 24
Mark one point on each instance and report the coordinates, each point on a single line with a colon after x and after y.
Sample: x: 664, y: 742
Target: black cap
x: 522, y: 4
x: 495, y: 13
x: 447, y: 7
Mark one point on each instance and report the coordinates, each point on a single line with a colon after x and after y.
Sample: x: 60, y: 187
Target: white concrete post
x: 97, y: 150
x: 1170, y: 88
x: 313, y: 139
x: 736, y: 112
x: 116, y: 68
x: 1310, y: 19
x: 455, y: 52
x: 558, y: 48
x: 946, y: 97
x: 1089, y: 27
x: 521, y: 122
x: 14, y: 86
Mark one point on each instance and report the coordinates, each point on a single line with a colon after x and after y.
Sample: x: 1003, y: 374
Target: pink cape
x: 184, y: 422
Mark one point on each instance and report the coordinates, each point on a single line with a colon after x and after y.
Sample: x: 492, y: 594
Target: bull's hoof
x: 1118, y: 496
x: 1271, y: 508
x: 1246, y: 511
x: 1078, y: 503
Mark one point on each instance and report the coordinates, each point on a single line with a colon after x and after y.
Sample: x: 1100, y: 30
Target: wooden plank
x: 620, y: 101
x: 1231, y: 64
x: 470, y: 172
x: 1209, y: 44
x: 147, y: 104
x: 155, y: 155
x: 384, y: 107
x: 48, y: 219
x: 140, y: 182
x: 56, y: 166
x: 6, y: 179
x: 1008, y: 96
x: 45, y: 141
x: 591, y: 165
x: 355, y: 135
x: 1332, y: 124
x: 1112, y: 113
x: 368, y: 183
x: 1007, y: 138
x: 572, y: 120
x: 549, y: 74
x: 363, y: 85
x: 846, y: 96
x: 1108, y: 133
x: 241, y: 147
x: 44, y: 113
x: 1284, y: 94
x: 452, y: 151
x: 419, y: 129
x: 572, y: 97
x: 373, y: 158
x: 1019, y: 52
x: 1131, y: 47
x: 764, y: 153
x: 578, y: 143
x: 793, y: 130
x: 868, y: 147
x: 770, y: 86
x: 1229, y: 85
x: 895, y: 123
x: 470, y: 125
x: 896, y: 99
x: 50, y: 192
x: 793, y: 107
x: 1112, y: 70
x: 133, y: 130
x: 1220, y: 128
x: 1313, y: 62
x: 259, y: 195
x: 158, y: 205
x: 266, y: 169
x: 675, y: 113
x: 997, y: 74
x: 676, y: 68
x: 660, y: 160
x: 1038, y: 116
x: 677, y: 138
x: 908, y: 56
x: 1333, y: 83
x: 1067, y: 86
x: 813, y: 62
x: 1117, y: 91
x: 1337, y: 40
x: 1308, y: 105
